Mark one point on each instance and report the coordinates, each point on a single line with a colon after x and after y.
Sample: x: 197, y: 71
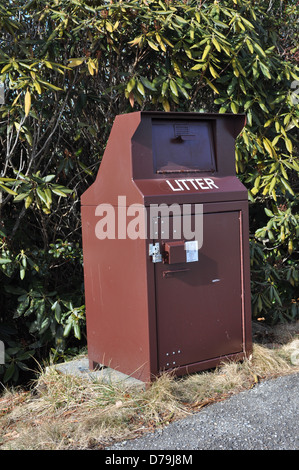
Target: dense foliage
x: 69, y: 66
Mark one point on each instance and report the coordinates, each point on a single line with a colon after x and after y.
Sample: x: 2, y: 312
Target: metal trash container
x: 157, y: 299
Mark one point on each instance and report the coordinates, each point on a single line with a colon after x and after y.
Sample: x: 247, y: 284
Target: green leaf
x: 197, y: 67
x: 37, y: 87
x: 268, y: 212
x: 173, y: 88
x: 77, y: 331
x: 275, y: 140
x: 22, y: 307
x: 27, y: 102
x: 272, y: 184
x: 206, y: 51
x: 287, y: 186
x: 7, y: 179
x: 181, y: 20
x: 9, y: 372
x: 249, y: 45
x: 41, y: 195
x: 216, y: 44
x: 223, y: 109
x: 140, y: 88
x: 152, y: 45
x: 147, y: 84
x: 131, y: 84
x: 184, y: 92
x: 219, y: 23
x: 6, y: 68
x: 135, y: 41
x: 277, y: 296
x: 109, y: 26
x: 22, y: 366
x: 247, y: 23
x: 211, y: 85
x: 213, y: 72
x: 166, y: 105
x: 56, y: 307
x: 20, y: 197
x: 265, y: 70
x: 8, y: 190
x: 164, y: 88
x: 258, y: 49
x: 84, y: 168
x: 289, y: 144
x: 263, y: 107
x: 268, y: 146
x: 5, y: 260
x: 58, y: 192
x: 267, y: 123
x: 29, y: 200
x: 48, y: 178
x: 45, y: 325
x: 48, y: 196
x: 50, y: 85
x: 234, y: 107
x: 67, y: 329
x: 25, y: 355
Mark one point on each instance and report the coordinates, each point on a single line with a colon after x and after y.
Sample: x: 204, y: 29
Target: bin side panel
x: 116, y: 300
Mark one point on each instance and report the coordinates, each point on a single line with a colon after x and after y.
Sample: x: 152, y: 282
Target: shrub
x: 68, y: 68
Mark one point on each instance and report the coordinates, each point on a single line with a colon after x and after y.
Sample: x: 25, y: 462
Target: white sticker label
x: 191, y: 251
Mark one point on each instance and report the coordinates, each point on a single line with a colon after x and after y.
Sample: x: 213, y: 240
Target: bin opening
x: 183, y: 146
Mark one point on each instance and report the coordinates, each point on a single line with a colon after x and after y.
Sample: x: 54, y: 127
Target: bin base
x: 95, y: 372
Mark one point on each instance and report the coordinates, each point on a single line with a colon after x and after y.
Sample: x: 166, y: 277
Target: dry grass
x: 66, y: 412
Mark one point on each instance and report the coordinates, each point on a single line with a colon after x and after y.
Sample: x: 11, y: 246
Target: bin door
x: 199, y: 299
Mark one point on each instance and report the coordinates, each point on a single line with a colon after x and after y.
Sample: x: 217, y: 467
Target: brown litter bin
x: 157, y: 299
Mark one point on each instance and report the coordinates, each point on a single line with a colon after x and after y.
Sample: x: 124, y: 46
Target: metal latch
x: 154, y: 251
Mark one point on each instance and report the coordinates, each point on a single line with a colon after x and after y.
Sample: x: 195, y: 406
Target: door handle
x: 175, y: 271
x: 182, y: 138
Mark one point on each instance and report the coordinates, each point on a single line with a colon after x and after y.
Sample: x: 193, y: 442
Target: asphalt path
x: 262, y: 418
